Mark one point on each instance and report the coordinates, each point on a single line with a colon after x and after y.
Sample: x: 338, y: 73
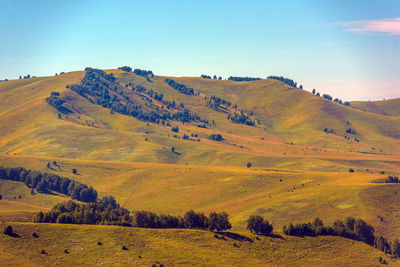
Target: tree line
x: 48, y: 182
x: 209, y: 77
x: 242, y: 79
x: 284, y: 80
x: 356, y: 229
x: 103, y: 212
x: 180, y: 87
x: 388, y: 180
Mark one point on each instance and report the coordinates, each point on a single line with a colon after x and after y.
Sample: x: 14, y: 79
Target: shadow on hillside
x: 276, y: 236
x: 15, y: 235
x: 236, y: 236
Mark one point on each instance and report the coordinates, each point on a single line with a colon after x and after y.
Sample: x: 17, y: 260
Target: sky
x: 349, y: 49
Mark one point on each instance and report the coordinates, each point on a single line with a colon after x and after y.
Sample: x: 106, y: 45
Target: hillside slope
x: 170, y: 247
x: 389, y: 107
x: 289, y: 123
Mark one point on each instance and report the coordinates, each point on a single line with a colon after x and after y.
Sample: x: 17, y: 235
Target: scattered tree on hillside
x: 125, y: 68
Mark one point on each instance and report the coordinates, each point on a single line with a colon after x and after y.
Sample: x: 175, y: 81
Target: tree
x: 175, y: 129
x: 313, y: 91
x: 396, y: 248
x: 192, y: 219
x: 257, y: 224
x: 1, y: 197
x: 248, y: 164
x: 350, y: 221
x: 74, y: 171
x: 219, y: 221
x: 364, y: 232
x: 109, y: 201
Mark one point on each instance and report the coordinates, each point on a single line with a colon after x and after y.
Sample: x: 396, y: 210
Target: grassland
x: 174, y: 247
x: 298, y: 171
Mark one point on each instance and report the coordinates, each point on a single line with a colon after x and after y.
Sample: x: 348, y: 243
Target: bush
x: 35, y: 235
x: 175, y: 129
x: 248, y: 164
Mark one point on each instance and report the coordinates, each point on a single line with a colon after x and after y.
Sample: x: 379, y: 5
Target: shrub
x: 248, y: 164
x: 35, y: 235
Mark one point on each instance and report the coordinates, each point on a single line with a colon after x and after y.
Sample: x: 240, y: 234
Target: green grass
x: 174, y: 247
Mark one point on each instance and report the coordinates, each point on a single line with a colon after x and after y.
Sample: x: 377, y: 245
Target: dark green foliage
x: 1, y: 197
x: 216, y: 137
x: 74, y: 171
x: 257, y: 224
x: 351, y: 131
x: 364, y: 232
x: 47, y: 182
x: 192, y: 219
x: 351, y: 170
x: 205, y: 76
x: 125, y: 68
x: 218, y: 221
x: 242, y: 119
x: 356, y: 229
x: 144, y: 73
x: 88, y: 213
x: 248, y: 165
x: 396, y: 248
x: 8, y: 230
x: 382, y: 244
x: 389, y: 180
x: 284, y: 80
x: 100, y: 88
x: 313, y: 91
x: 55, y: 101
x: 175, y: 129
x: 35, y: 235
x: 242, y: 79
x: 109, y: 201
x: 180, y: 87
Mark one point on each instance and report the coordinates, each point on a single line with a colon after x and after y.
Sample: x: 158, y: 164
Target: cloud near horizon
x: 386, y: 26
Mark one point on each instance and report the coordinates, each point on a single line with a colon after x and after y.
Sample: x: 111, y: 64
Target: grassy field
x: 298, y: 171
x: 169, y: 247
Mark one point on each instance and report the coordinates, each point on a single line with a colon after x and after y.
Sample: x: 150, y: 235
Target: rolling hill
x: 150, y: 141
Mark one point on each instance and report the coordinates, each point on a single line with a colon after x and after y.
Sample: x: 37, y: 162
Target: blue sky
x: 349, y: 49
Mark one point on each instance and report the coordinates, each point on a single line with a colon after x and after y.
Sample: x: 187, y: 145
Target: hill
x: 390, y: 107
x: 71, y: 245
x: 170, y: 144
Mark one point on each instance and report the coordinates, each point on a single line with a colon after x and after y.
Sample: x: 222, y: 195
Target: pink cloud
x: 387, y: 26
